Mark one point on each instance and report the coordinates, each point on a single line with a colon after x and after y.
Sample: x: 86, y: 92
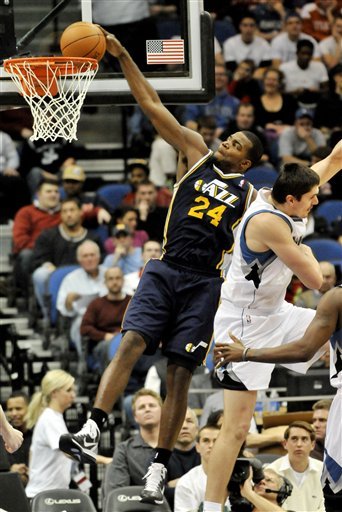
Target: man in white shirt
x: 284, y: 45
x: 300, y: 469
x: 297, y: 143
x: 190, y: 488
x: 80, y: 287
x: 150, y: 249
x: 304, y: 78
x: 331, y: 46
x: 246, y: 45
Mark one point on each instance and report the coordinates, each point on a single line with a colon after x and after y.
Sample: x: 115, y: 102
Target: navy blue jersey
x: 206, y: 207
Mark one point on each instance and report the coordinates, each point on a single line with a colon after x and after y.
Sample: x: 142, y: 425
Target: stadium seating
x: 330, y: 210
x: 326, y: 249
x: 112, y: 195
x: 261, y: 176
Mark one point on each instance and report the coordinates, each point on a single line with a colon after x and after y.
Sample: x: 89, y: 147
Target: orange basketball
x: 83, y: 39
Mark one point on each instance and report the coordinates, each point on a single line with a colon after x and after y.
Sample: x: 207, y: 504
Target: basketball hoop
x: 55, y: 89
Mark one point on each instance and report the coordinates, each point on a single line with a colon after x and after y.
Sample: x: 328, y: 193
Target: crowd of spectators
x: 294, y: 469
x: 279, y: 75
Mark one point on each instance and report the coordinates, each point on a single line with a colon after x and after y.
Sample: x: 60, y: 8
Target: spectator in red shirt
x: 318, y: 17
x: 103, y: 318
x: 31, y: 220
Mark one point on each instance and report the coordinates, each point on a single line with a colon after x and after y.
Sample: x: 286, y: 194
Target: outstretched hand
x: 12, y: 437
x: 114, y: 47
x: 225, y: 353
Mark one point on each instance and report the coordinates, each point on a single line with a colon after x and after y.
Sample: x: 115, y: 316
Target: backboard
x: 166, y: 20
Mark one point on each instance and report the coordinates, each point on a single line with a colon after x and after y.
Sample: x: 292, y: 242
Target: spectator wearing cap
x: 305, y: 79
x: 73, y: 179
x: 284, y: 45
x: 125, y: 256
x: 297, y: 143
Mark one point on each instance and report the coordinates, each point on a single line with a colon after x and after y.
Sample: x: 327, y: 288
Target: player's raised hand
x: 114, y: 47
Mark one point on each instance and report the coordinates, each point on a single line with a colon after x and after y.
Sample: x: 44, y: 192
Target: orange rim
x: 62, y: 63
x: 46, y: 70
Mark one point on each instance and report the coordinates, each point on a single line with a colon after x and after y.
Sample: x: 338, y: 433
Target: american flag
x: 165, y: 51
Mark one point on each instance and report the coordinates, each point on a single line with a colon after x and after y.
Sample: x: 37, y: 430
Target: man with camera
x: 269, y: 494
x: 252, y: 489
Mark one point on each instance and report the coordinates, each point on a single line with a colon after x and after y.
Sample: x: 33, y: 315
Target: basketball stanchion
x: 55, y: 89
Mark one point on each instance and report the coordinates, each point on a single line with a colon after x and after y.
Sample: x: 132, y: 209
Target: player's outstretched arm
x: 317, y: 334
x: 329, y: 166
x: 12, y: 437
x: 278, y: 238
x: 183, y: 139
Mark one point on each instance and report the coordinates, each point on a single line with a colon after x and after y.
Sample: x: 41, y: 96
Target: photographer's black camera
x: 239, y: 476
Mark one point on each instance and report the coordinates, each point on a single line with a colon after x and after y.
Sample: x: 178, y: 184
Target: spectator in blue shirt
x: 223, y: 107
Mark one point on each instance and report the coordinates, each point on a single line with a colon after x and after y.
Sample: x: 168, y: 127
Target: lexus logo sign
x: 123, y: 497
x: 62, y: 501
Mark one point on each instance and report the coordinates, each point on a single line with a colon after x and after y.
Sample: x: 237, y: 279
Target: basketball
x: 83, y: 39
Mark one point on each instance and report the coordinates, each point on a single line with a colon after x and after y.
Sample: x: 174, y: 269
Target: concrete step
x: 3, y: 302
x: 33, y: 345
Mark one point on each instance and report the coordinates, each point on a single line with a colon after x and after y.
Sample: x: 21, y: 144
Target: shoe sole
x: 151, y: 501
x: 72, y: 448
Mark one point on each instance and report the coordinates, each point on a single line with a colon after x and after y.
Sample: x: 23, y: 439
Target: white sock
x: 210, y: 506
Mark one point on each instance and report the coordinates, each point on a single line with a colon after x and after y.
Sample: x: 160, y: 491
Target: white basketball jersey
x: 258, y: 280
x: 336, y: 357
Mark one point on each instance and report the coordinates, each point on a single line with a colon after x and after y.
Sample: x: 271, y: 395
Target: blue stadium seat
x: 113, y: 194
x: 330, y: 210
x: 326, y: 249
x: 261, y: 176
x: 114, y: 345
x: 50, y: 300
x: 54, y: 283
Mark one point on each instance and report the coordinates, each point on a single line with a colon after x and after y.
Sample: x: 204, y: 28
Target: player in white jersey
x: 269, y: 241
x: 326, y: 324
x: 252, y: 299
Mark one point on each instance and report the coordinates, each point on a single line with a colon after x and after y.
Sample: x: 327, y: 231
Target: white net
x: 55, y: 90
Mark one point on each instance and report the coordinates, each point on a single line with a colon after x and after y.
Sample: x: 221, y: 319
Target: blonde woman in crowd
x: 12, y: 437
x: 49, y: 468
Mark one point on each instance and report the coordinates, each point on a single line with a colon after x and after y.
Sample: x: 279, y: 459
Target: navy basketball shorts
x: 176, y: 306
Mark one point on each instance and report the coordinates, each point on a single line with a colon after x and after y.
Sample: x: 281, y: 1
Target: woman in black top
x: 274, y: 110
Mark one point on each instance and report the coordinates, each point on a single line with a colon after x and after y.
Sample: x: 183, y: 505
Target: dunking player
x: 267, y: 251
x: 326, y: 324
x: 178, y: 295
